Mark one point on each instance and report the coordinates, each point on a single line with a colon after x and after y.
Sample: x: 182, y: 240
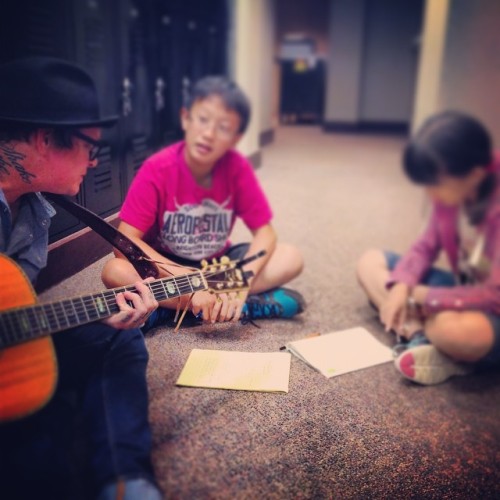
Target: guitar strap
x: 141, y: 262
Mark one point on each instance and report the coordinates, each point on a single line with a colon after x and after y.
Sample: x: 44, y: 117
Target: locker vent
x: 103, y: 172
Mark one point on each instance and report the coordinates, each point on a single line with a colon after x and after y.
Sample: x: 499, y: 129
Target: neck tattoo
x: 10, y: 158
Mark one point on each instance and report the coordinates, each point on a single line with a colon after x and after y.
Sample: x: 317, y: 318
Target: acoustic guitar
x: 28, y: 365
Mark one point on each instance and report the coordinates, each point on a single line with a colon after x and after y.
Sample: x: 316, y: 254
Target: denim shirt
x: 26, y: 242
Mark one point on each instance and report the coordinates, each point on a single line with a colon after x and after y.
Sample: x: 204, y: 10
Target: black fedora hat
x: 49, y: 91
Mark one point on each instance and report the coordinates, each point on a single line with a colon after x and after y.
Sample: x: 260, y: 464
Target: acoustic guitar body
x: 28, y: 365
x: 28, y: 372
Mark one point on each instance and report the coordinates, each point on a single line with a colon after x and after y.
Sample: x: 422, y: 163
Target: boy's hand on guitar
x: 393, y: 310
x: 218, y: 307
x: 134, y: 307
x: 203, y: 302
x: 238, y: 302
x: 228, y: 306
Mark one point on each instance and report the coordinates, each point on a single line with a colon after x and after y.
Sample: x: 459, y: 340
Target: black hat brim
x: 45, y: 91
x: 103, y: 122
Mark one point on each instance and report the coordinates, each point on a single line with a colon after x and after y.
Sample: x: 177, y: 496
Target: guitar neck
x: 23, y: 324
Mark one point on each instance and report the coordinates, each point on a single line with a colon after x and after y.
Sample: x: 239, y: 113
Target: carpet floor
x: 367, y: 434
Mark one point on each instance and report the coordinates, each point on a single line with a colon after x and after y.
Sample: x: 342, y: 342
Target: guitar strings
x: 183, y: 282
x: 57, y: 312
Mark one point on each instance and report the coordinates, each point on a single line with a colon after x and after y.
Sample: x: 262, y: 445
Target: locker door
x: 137, y: 86
x: 31, y: 27
x: 96, y: 50
x: 166, y: 119
x: 198, y: 33
x: 213, y: 24
x: 194, y: 39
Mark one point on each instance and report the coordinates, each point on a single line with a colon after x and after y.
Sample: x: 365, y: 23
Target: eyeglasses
x: 203, y: 122
x: 96, y: 146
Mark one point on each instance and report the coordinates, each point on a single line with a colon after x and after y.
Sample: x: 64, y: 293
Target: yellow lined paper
x: 243, y: 371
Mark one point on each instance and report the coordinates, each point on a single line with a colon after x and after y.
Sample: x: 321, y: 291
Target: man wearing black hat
x: 49, y: 137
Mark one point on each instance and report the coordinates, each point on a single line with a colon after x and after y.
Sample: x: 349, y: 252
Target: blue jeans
x: 433, y: 277
x: 103, y: 371
x: 438, y: 277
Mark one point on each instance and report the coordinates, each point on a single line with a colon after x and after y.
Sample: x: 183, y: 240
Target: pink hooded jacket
x: 442, y: 234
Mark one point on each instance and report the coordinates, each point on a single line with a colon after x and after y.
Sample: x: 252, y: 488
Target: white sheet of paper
x: 341, y: 352
x: 244, y: 371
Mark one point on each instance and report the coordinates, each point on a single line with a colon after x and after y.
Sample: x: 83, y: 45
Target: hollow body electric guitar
x: 28, y: 366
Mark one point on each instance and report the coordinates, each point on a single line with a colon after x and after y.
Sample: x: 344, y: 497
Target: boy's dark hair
x: 232, y: 96
x: 12, y: 131
x: 450, y: 143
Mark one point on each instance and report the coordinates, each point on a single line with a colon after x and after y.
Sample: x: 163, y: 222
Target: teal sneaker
x: 277, y: 303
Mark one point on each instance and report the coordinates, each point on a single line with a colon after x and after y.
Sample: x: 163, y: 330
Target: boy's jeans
x: 107, y: 369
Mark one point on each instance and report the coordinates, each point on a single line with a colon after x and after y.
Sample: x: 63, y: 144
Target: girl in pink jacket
x: 449, y: 321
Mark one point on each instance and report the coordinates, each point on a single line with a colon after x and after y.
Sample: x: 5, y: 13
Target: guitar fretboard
x: 28, y: 323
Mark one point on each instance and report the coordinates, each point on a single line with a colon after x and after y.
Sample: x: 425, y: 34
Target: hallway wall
x: 390, y: 60
x: 344, y: 61
x: 372, y: 61
x: 251, y: 51
x: 471, y: 68
x: 460, y: 64
x: 431, y: 60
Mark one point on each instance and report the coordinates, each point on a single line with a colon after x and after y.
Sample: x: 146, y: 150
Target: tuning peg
x: 225, y: 259
x: 204, y: 263
x: 214, y: 261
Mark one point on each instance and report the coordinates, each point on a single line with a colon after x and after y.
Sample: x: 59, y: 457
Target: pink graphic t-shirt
x: 187, y: 220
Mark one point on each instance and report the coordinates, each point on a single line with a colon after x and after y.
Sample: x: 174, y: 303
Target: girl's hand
x: 134, y: 307
x: 393, y: 310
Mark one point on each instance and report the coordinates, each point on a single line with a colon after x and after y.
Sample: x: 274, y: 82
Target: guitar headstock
x: 225, y: 276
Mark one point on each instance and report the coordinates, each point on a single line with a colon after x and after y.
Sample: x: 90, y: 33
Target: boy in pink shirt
x: 184, y: 201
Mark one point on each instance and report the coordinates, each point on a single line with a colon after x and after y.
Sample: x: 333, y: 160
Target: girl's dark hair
x: 450, y: 143
x: 10, y: 131
x: 232, y: 96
